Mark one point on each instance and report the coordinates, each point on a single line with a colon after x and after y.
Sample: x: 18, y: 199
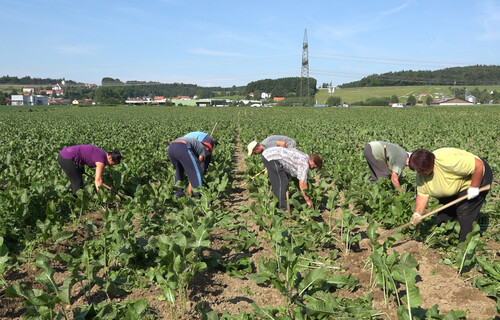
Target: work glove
x: 472, y: 192
x: 415, y: 218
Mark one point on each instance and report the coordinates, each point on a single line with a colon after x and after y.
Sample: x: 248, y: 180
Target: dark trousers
x: 378, y: 168
x: 184, y: 161
x: 279, y: 181
x: 73, y: 171
x: 467, y: 211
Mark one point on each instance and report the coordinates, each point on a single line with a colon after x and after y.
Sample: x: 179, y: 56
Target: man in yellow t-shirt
x: 448, y: 174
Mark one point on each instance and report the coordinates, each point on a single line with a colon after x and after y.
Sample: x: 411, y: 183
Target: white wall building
x: 29, y: 100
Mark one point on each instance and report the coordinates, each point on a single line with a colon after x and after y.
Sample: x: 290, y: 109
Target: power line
x: 379, y: 60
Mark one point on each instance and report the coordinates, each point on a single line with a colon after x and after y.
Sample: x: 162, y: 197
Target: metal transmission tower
x: 304, y: 72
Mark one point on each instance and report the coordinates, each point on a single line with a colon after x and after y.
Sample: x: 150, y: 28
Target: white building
x: 29, y: 100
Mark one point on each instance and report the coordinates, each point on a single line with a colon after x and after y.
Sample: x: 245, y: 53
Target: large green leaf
x: 313, y: 278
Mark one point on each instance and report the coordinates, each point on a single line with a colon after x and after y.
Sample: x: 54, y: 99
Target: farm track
x: 219, y: 291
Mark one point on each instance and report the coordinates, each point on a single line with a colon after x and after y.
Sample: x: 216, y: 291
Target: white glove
x: 472, y: 192
x: 415, y: 218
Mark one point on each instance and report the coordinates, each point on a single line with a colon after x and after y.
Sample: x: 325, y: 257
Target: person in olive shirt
x: 447, y: 174
x: 272, y: 141
x: 386, y: 160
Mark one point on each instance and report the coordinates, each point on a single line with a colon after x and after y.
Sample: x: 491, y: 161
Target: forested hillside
x: 471, y: 75
x: 283, y: 87
x: 27, y: 80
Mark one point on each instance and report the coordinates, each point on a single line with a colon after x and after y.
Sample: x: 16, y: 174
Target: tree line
x: 148, y: 88
x: 283, y: 87
x: 27, y: 80
x: 470, y: 75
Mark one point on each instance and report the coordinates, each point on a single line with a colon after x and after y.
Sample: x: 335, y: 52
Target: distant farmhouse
x: 451, y: 102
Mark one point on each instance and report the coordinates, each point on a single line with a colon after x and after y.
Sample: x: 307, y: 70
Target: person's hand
x: 415, y: 219
x: 309, y: 203
x: 472, y: 192
x: 97, y: 186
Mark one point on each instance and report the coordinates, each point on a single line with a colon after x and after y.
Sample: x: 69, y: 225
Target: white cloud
x: 78, y: 49
x: 363, y: 23
x: 394, y: 10
x: 217, y: 53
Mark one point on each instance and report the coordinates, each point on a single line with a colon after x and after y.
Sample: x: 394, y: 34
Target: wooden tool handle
x: 255, y: 176
x: 449, y: 204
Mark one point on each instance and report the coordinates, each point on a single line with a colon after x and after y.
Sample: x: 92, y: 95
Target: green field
x: 350, y: 95
x: 232, y: 254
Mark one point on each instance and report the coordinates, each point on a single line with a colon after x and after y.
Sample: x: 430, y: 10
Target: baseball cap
x: 208, y: 145
x: 250, y: 146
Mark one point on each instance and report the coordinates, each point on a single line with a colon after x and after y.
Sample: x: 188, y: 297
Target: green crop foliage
x: 150, y: 238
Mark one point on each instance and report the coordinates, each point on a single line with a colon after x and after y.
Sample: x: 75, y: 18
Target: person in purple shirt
x: 74, y: 158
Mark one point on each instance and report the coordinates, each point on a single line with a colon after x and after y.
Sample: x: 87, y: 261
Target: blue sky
x: 226, y: 43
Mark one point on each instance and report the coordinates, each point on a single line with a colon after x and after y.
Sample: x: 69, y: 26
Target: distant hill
x: 6, y: 80
x: 461, y: 76
x: 131, y: 88
x: 362, y: 94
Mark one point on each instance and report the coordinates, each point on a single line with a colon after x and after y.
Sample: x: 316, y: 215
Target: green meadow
x: 351, y: 95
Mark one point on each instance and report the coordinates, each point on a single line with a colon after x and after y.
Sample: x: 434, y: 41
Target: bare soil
x: 438, y: 283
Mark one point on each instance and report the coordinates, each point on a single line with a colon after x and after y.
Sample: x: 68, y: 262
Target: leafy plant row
x: 107, y: 247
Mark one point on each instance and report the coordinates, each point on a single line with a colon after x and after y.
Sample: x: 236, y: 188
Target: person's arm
x: 420, y: 204
x: 200, y: 150
x: 476, y: 178
x: 99, y: 168
x: 395, y: 181
x: 303, y: 188
x: 281, y: 143
x: 477, y: 175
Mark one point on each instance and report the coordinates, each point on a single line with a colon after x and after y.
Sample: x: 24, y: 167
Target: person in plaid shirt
x: 284, y: 162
